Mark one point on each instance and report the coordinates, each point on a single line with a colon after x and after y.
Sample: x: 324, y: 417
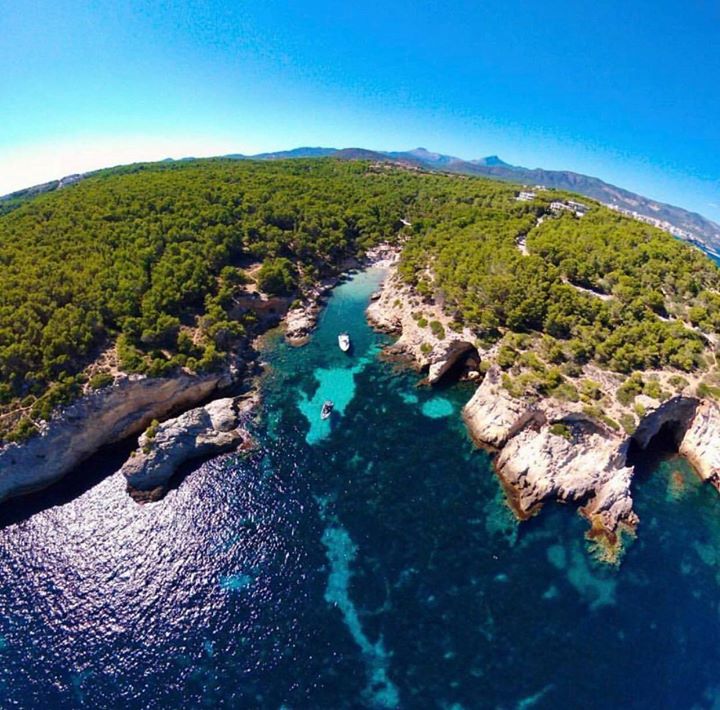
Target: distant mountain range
x: 682, y: 223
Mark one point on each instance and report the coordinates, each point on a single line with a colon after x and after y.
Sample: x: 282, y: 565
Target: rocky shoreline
x: 129, y: 406
x: 222, y: 425
x: 543, y: 449
x: 548, y: 449
x: 102, y: 417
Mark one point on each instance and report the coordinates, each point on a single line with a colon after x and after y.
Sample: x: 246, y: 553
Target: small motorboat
x: 326, y: 410
x: 344, y: 342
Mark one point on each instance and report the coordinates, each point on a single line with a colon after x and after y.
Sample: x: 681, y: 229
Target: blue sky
x: 626, y: 91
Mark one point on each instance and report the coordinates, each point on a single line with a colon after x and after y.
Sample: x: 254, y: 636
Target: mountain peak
x: 490, y: 161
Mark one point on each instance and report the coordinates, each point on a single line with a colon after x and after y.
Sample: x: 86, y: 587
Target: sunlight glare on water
x: 367, y: 561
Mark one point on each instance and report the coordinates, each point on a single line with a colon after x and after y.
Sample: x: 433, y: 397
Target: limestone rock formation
x: 492, y: 415
x: 448, y: 355
x: 549, y: 452
x: 218, y: 426
x: 102, y: 417
x: 701, y: 443
x: 300, y: 322
x: 583, y: 463
x: 676, y: 413
x: 396, y: 309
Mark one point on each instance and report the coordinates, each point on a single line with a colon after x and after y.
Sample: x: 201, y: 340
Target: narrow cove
x: 365, y: 561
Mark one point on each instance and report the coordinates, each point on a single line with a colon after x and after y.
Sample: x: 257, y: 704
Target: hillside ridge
x: 678, y: 221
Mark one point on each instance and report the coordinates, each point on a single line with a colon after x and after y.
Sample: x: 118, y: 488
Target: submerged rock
x: 212, y: 429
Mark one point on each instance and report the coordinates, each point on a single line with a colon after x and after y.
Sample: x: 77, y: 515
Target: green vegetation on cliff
x: 603, y: 287
x: 151, y: 258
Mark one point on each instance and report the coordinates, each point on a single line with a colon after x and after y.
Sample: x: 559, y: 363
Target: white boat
x: 326, y: 410
x: 344, y: 342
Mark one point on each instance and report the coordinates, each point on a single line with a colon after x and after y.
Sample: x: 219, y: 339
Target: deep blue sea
x: 367, y: 561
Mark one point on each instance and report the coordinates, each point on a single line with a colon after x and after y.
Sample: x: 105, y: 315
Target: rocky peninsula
x: 547, y: 448
x: 219, y: 426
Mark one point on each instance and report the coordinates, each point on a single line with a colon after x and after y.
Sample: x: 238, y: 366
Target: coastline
x: 542, y: 450
x: 547, y: 449
x: 179, y: 407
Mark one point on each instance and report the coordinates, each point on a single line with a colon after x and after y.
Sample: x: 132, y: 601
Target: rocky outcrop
x: 219, y: 426
x: 579, y: 461
x: 300, y: 321
x: 492, y: 416
x: 675, y: 413
x: 701, y: 442
x: 397, y: 309
x: 449, y: 356
x: 96, y: 419
x: 551, y: 453
x: 695, y: 426
x: 548, y: 449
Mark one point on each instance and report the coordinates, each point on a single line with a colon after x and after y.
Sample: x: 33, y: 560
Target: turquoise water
x: 367, y: 561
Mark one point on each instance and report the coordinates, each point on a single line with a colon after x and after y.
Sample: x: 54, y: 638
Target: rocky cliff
x: 437, y: 350
x: 218, y: 426
x: 701, y: 442
x: 96, y: 419
x: 549, y: 451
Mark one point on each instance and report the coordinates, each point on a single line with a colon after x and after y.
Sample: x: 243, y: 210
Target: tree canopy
x: 150, y: 256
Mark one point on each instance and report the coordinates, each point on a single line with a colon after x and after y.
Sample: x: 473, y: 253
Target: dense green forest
x: 148, y: 253
x: 150, y: 257
x: 608, y: 288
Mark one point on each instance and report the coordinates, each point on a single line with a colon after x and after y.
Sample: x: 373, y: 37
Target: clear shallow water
x: 369, y: 563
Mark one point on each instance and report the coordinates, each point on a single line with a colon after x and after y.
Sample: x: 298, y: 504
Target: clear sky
x: 628, y: 91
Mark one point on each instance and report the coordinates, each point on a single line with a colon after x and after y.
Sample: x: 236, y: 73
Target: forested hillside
x: 150, y: 257
x: 611, y: 289
x: 142, y: 252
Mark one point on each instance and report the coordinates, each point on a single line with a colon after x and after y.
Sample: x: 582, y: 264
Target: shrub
x: 678, y: 382
x: 506, y: 357
x: 707, y: 391
x: 560, y: 429
x: 629, y: 389
x: 609, y: 421
x: 23, y: 430
x: 653, y: 390
x: 100, y: 380
x: 627, y: 421
x: 590, y: 390
x: 150, y: 434
x: 566, y: 392
x: 437, y: 329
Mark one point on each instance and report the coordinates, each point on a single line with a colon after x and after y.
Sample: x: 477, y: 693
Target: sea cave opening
x: 463, y: 359
x: 660, y: 447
